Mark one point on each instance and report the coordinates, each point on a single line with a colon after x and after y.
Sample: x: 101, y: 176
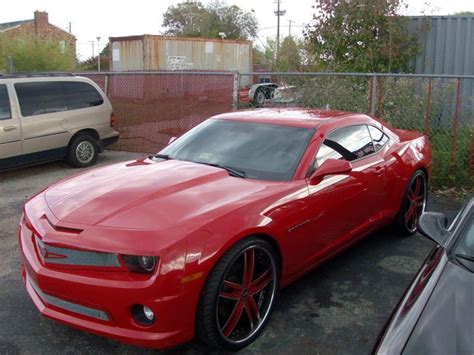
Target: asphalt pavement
x: 337, y: 309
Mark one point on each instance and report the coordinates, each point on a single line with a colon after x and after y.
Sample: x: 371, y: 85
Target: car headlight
x: 141, y: 264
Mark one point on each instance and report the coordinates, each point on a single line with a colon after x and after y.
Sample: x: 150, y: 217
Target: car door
x: 342, y: 207
x: 42, y: 107
x: 10, y: 131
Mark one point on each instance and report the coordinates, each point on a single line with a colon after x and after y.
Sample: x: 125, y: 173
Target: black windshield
x: 261, y: 151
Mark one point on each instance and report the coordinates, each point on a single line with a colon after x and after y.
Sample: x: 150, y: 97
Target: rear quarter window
x: 81, y: 95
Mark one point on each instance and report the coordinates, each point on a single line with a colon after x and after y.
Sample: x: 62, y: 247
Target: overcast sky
x: 90, y: 19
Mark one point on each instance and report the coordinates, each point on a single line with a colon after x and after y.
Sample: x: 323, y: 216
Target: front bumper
x: 100, y: 302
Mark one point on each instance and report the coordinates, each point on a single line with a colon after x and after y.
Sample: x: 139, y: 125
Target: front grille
x: 68, y: 306
x: 64, y: 256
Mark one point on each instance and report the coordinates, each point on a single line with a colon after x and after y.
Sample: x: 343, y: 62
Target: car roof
x: 21, y: 78
x: 300, y: 117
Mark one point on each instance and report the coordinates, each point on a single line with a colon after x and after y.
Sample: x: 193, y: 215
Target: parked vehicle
x: 198, y: 239
x: 50, y: 117
x: 436, y: 315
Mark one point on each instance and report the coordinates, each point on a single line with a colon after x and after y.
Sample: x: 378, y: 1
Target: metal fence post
x: 373, y: 95
x: 235, y: 91
x: 379, y: 97
x: 454, y: 132
x: 471, y: 159
x: 428, y: 107
x: 106, y: 85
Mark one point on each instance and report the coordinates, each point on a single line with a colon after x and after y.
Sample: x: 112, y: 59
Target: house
x: 40, y: 28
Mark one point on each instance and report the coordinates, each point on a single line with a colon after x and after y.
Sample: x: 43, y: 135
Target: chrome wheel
x: 246, y: 294
x: 416, y: 202
x: 85, y: 152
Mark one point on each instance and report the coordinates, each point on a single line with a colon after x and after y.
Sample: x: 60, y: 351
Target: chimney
x: 41, y: 19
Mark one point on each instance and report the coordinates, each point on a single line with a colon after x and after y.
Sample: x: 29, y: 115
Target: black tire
x: 83, y: 151
x: 259, y: 97
x: 413, y: 204
x: 217, y: 298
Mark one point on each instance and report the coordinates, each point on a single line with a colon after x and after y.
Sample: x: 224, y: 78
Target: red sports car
x: 197, y: 240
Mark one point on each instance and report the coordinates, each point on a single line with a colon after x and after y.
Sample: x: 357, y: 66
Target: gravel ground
x: 337, y: 309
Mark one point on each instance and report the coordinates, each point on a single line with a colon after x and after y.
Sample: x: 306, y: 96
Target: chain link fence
x: 152, y: 107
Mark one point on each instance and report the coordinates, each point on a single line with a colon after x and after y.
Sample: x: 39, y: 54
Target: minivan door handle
x: 9, y: 128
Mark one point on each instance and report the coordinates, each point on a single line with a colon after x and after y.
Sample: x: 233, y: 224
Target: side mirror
x: 172, y: 139
x: 434, y: 226
x: 330, y: 167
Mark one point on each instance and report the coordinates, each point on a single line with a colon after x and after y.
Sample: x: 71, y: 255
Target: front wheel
x: 413, y: 204
x: 238, y: 297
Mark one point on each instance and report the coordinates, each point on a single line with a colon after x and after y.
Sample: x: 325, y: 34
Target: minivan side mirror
x: 434, y: 226
x: 330, y: 167
x: 172, y: 139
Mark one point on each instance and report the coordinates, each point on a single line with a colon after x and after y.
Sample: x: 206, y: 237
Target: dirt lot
x: 337, y: 309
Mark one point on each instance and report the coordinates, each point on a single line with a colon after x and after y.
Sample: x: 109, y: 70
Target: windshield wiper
x: 232, y: 171
x: 460, y: 257
x: 161, y: 156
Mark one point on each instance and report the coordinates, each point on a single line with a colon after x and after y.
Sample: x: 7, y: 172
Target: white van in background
x: 51, y: 117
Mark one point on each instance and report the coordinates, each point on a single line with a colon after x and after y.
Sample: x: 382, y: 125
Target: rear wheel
x: 238, y: 297
x: 413, y: 204
x: 260, y: 98
x: 83, y: 151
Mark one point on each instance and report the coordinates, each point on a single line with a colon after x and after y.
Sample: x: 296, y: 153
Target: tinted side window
x: 81, y: 95
x: 378, y: 137
x: 40, y: 98
x: 348, y: 143
x: 5, y: 111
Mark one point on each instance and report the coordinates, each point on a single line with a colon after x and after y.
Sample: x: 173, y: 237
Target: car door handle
x: 9, y: 128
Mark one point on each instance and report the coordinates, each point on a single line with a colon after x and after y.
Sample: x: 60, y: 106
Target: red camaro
x: 196, y: 240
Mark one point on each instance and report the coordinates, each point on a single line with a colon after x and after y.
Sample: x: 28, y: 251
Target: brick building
x: 39, y: 27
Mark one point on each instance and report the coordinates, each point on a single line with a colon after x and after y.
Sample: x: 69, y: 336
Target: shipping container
x: 447, y: 44
x: 151, y: 52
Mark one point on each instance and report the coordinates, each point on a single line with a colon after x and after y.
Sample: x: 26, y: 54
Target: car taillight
x: 112, y: 120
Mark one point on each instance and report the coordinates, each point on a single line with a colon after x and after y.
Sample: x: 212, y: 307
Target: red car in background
x: 197, y: 240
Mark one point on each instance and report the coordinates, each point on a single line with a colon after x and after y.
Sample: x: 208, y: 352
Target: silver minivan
x: 50, y: 117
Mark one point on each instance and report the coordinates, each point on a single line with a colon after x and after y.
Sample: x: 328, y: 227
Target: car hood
x: 446, y: 325
x: 150, y: 195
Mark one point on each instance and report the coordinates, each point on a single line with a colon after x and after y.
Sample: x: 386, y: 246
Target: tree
x: 464, y: 13
x: 294, y: 55
x: 289, y: 58
x: 90, y: 64
x: 29, y: 54
x: 361, y: 36
x: 194, y: 19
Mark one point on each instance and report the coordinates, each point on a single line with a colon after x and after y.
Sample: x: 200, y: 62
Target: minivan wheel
x: 238, y: 296
x: 83, y: 151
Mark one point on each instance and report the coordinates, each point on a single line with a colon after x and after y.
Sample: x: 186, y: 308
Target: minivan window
x: 348, y: 143
x: 5, y: 111
x: 40, y: 97
x: 378, y: 137
x: 81, y: 95
x: 46, y: 97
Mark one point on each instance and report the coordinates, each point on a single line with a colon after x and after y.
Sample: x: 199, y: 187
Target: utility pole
x: 70, y: 27
x: 98, y: 53
x: 92, y: 45
x: 289, y: 29
x: 278, y: 14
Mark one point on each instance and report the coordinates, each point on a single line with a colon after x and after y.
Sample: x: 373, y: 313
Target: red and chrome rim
x: 416, y: 201
x: 246, y: 294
